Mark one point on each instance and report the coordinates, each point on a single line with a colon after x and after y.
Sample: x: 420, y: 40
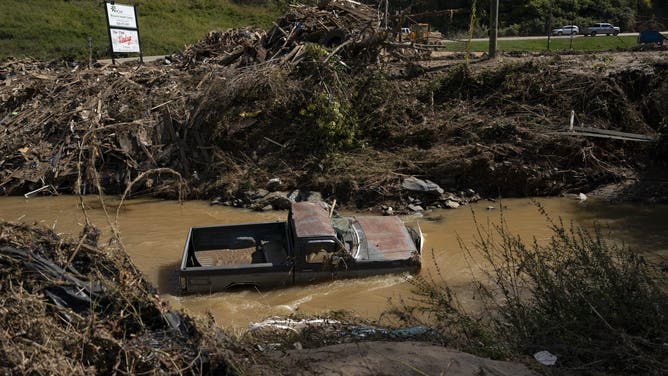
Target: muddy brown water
x: 154, y: 232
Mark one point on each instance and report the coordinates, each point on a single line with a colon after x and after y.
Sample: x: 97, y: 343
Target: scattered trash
x: 50, y: 188
x: 545, y: 358
x: 289, y: 324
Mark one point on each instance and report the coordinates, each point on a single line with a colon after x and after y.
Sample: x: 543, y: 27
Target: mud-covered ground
x: 323, y: 102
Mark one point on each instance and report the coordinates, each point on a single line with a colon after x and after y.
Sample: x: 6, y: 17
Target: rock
x: 261, y: 193
x: 413, y: 184
x: 299, y: 195
x: 278, y: 200
x: 256, y: 195
x: 267, y: 208
x: 274, y: 184
x: 216, y: 201
x: 294, y: 195
x: 451, y: 204
x: 545, y: 358
x: 311, y: 196
x: 385, y: 358
x: 582, y: 197
x: 450, y: 196
x: 415, y: 208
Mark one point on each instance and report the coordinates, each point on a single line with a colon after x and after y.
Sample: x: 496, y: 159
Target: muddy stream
x: 154, y: 232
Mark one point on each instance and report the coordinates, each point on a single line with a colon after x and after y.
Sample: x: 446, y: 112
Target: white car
x: 566, y: 30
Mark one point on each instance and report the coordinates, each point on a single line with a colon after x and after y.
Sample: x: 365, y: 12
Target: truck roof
x: 311, y: 219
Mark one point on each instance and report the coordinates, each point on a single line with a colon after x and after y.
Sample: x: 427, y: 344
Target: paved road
x: 555, y: 36
x: 136, y: 58
x: 153, y: 58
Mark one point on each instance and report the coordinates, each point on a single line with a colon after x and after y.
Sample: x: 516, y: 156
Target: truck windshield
x: 346, y: 233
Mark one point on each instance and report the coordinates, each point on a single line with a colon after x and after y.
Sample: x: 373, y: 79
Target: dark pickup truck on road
x: 310, y: 246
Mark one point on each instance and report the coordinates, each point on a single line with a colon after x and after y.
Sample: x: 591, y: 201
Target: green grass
x: 600, y: 43
x: 48, y: 29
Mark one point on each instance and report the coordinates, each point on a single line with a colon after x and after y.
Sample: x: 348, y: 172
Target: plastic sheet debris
x: 402, y: 333
x: 545, y: 358
x: 289, y: 324
x: 344, y: 332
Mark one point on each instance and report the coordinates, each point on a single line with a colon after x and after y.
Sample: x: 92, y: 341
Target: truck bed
x: 272, y: 252
x: 219, y: 257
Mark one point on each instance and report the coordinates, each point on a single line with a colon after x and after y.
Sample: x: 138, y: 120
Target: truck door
x: 315, y: 262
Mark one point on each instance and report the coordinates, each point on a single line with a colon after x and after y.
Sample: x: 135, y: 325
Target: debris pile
x: 349, y: 28
x: 78, y: 129
x: 70, y: 307
x: 305, y: 105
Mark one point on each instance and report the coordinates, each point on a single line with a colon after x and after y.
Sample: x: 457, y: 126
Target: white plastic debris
x: 545, y: 358
x: 289, y: 324
x: 582, y: 197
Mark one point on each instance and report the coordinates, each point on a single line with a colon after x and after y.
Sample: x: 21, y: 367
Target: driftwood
x: 96, y: 129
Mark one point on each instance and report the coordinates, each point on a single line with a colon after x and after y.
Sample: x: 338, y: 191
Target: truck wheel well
x: 241, y: 286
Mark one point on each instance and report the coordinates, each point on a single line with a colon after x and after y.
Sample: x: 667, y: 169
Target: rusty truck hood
x: 387, y: 238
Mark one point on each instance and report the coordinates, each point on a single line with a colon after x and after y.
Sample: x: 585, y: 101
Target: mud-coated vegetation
x: 350, y: 133
x: 336, y: 110
x: 73, y: 307
x: 598, y: 306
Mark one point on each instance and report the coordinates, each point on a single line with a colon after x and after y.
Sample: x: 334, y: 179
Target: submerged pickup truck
x: 310, y: 246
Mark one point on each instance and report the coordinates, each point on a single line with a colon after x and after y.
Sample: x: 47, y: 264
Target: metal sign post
x: 123, y: 29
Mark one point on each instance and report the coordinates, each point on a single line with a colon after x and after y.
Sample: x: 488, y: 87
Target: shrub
x: 596, y: 305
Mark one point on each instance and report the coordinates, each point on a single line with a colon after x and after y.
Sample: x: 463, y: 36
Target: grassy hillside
x: 60, y: 28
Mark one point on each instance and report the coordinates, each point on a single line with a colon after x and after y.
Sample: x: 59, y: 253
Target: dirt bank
x: 323, y: 103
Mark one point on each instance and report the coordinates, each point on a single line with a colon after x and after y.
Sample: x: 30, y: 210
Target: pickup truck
x: 311, y: 246
x: 602, y: 28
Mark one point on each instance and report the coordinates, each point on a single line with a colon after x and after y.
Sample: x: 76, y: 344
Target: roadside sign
x: 123, y: 29
x: 124, y: 41
x: 119, y: 15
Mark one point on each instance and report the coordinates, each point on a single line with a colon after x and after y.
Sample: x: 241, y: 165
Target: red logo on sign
x: 125, y: 39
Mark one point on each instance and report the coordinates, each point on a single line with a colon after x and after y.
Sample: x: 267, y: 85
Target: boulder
x: 278, y: 200
x: 451, y: 204
x: 299, y: 195
x: 413, y: 184
x: 415, y: 208
x: 312, y: 196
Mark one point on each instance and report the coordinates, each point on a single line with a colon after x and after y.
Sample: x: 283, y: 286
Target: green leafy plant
x: 331, y: 125
x: 598, y: 306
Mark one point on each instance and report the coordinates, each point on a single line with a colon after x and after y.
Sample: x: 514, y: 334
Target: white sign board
x: 124, y: 40
x: 121, y: 16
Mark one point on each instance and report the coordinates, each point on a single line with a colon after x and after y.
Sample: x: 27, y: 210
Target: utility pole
x: 493, y: 27
x: 575, y: 11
